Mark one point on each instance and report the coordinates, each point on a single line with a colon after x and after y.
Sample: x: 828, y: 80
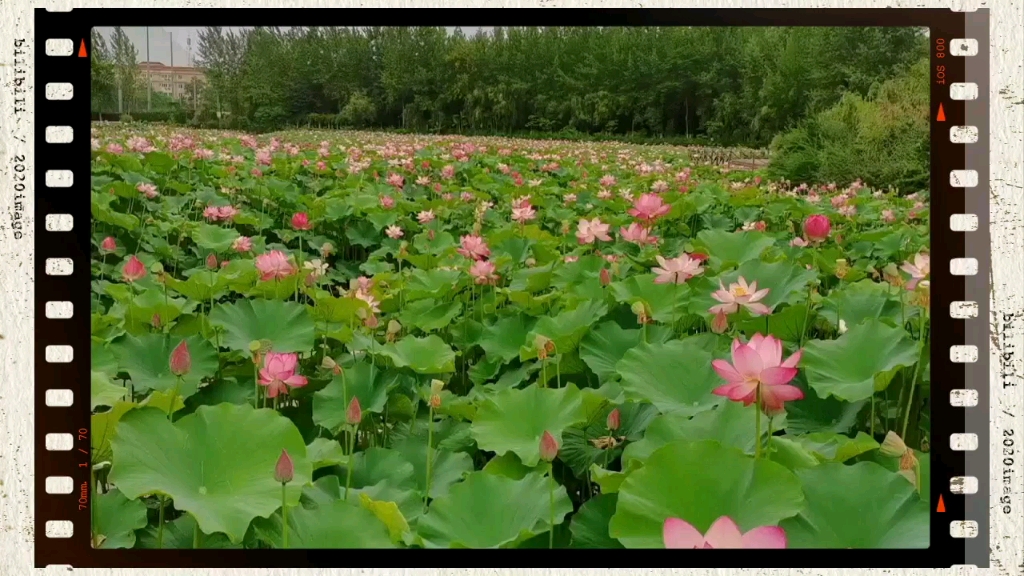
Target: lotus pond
x: 355, y: 340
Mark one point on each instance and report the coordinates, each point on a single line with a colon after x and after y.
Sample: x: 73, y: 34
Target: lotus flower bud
x: 211, y: 261
x: 156, y: 321
x: 354, y: 413
x: 394, y: 327
x: 720, y: 323
x: 817, y: 227
x: 328, y: 363
x: 284, y: 471
x: 614, y: 419
x: 181, y: 359
x: 133, y: 270
x: 548, y: 447
x: 606, y: 277
x: 108, y: 244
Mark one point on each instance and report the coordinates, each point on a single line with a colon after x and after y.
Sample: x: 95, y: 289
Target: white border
x: 17, y: 266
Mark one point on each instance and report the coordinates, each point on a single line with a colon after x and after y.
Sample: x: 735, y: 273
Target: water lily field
x: 365, y: 340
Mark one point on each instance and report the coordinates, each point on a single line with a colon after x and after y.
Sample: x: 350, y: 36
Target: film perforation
x: 59, y: 222
x: 59, y: 47
x: 59, y: 484
x: 59, y: 397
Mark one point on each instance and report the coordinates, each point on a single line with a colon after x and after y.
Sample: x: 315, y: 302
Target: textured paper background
x: 1006, y: 90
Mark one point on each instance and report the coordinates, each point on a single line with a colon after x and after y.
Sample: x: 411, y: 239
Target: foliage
x: 453, y: 351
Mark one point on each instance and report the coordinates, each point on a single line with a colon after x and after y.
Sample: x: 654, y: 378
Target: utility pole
x: 149, y: 77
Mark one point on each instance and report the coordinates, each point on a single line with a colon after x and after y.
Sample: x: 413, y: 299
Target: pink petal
x: 724, y: 533
x: 758, y: 308
x: 726, y: 371
x: 759, y: 294
x: 755, y: 341
x: 723, y: 308
x: 775, y: 397
x: 770, y: 351
x: 765, y: 537
x: 679, y: 534
x: 722, y: 296
x: 746, y: 361
x: 745, y: 392
x: 793, y: 360
x: 296, y: 381
x: 912, y: 284
x: 777, y: 375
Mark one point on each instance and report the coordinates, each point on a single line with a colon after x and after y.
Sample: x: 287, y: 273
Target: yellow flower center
x: 739, y: 291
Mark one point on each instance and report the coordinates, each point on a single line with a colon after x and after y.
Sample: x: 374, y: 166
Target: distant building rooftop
x: 165, y: 68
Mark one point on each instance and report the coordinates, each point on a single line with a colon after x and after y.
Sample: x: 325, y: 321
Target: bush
x: 359, y: 111
x: 883, y: 139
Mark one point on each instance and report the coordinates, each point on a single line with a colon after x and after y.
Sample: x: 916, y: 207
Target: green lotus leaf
x: 503, y: 339
x: 832, y: 447
x: 786, y: 281
x: 139, y: 312
x: 104, y: 391
x: 433, y: 283
x: 324, y: 452
x: 791, y: 454
x: 147, y: 359
x: 858, y: 506
x: 565, y: 330
x: 787, y: 324
x: 675, y: 376
x: 816, y: 414
x: 363, y: 380
x: 731, y: 424
x: 103, y: 425
x: 731, y: 248
x: 514, y: 420
x: 216, y: 238
x: 333, y: 310
x: 389, y: 514
x: 590, y: 524
x: 278, y: 289
x: 446, y: 467
x: 490, y: 511
x: 848, y: 366
x: 667, y: 302
x: 429, y: 355
x: 337, y: 524
x: 115, y: 520
x: 285, y: 324
x: 216, y: 464
x: 179, y: 535
x: 508, y: 465
x: 604, y: 346
x: 700, y: 482
x: 202, y: 286
x: 374, y: 465
x: 859, y: 301
x: 429, y: 315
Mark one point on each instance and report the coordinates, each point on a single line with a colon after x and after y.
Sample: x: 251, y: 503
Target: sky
x: 162, y: 39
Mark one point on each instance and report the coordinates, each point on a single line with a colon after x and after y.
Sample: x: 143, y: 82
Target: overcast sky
x: 160, y: 41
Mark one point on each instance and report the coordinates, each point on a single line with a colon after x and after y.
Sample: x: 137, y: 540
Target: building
x: 175, y: 81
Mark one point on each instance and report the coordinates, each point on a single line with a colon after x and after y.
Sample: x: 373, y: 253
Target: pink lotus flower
x: 387, y: 202
x: 482, y: 272
x: 474, y: 247
x: 817, y: 227
x: 300, y: 221
x: 607, y: 181
x: 227, y: 212
x: 798, y: 242
x: 524, y: 214
x: 649, y: 207
x: 548, y: 447
x: 918, y: 271
x: 739, y: 294
x: 590, y: 231
x: 394, y: 232
x: 570, y: 259
x: 569, y: 198
x: 724, y: 533
x: 466, y: 196
x: 115, y: 148
x: 720, y: 322
x: 133, y: 269
x: 637, y: 234
x: 757, y: 365
x: 659, y: 186
x: 181, y: 359
x: 425, y: 217
x: 211, y: 261
x: 849, y: 211
x: 273, y: 265
x: 614, y: 420
x: 279, y: 372
x: 396, y: 180
x: 242, y: 244
x: 888, y: 217
x: 108, y: 245
x: 211, y: 213
x: 148, y: 190
x: 677, y: 270
x: 284, y: 470
x: 448, y: 172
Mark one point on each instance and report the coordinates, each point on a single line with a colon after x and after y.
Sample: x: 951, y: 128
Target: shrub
x: 882, y: 139
x: 359, y: 112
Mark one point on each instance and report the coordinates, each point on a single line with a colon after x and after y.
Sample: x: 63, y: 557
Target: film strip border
x: 960, y: 251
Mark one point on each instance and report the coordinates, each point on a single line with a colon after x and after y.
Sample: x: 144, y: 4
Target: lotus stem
x: 284, y: 516
x: 551, y: 501
x: 757, y: 425
x: 195, y: 536
x: 913, y: 379
x: 430, y: 452
x: 174, y: 397
x: 351, y: 457
x: 768, y: 440
x: 160, y: 524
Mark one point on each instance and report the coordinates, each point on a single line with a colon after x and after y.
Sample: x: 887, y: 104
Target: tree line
x: 722, y: 84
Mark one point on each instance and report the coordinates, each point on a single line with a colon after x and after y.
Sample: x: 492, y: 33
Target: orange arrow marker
x: 941, y: 117
x: 81, y: 50
x: 942, y: 505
